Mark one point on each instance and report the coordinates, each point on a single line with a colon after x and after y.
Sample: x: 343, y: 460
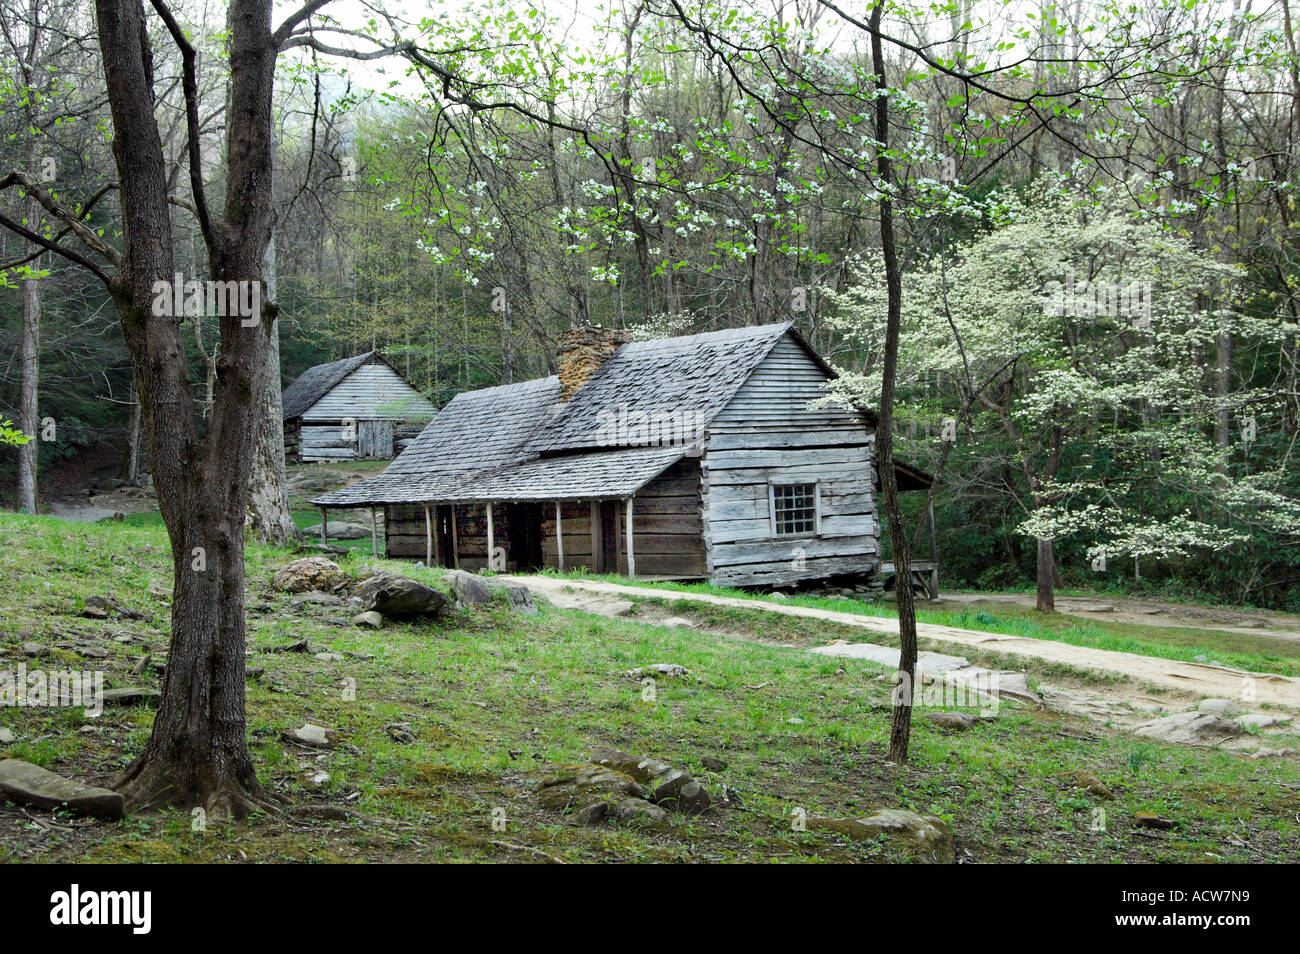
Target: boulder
x: 929, y: 836
x: 1252, y: 721
x: 29, y: 784
x: 1152, y: 820
x: 338, y: 530
x: 399, y: 597
x: 469, y: 589
x: 309, y: 573
x: 640, y: 814
x: 369, y: 618
x: 713, y: 763
x: 1190, y: 728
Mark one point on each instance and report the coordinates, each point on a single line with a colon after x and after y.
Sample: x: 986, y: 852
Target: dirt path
x: 1254, y: 622
x: 1198, y: 679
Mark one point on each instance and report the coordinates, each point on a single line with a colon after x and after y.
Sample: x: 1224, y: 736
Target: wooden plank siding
x: 372, y: 397
x: 769, y: 433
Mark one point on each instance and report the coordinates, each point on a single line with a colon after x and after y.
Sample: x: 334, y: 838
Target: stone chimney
x: 581, y: 352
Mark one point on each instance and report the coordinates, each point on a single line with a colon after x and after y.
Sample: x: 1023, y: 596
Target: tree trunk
x: 1046, y: 577
x: 268, y: 498
x: 29, y: 359
x: 131, y: 458
x: 197, y: 753
x: 900, y: 723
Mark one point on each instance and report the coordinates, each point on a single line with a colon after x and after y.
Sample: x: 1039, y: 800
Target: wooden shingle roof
x: 521, y: 442
x: 314, y: 383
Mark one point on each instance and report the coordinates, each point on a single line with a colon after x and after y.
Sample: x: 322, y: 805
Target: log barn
x: 703, y: 457
x: 358, y: 408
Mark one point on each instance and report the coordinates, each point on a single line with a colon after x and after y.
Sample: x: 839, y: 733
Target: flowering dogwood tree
x: 1079, y: 336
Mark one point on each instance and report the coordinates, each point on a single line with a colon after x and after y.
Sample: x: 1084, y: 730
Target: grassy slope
x: 489, y: 694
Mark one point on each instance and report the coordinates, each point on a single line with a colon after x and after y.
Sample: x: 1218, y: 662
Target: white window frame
x: 817, y: 507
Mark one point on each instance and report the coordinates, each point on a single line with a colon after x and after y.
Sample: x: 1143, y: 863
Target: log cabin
x: 359, y: 408
x: 704, y: 457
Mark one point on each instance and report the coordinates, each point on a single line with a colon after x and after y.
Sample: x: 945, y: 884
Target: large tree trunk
x: 268, y: 498
x: 900, y: 723
x: 197, y: 753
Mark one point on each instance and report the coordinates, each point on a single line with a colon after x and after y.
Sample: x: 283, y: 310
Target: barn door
x: 375, y: 440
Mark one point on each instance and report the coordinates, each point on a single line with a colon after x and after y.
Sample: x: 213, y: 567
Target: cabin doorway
x: 607, y: 555
x: 446, y: 547
x: 524, y: 535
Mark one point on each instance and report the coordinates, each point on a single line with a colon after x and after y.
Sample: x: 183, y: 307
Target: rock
x: 309, y: 573
x: 640, y: 814
x: 1223, y: 707
x: 680, y: 621
x: 713, y: 763
x: 957, y: 721
x: 6, y: 736
x: 1190, y: 728
x: 315, y: 779
x: 337, y: 530
x: 1150, y: 820
x: 29, y: 784
x: 399, y: 597
x: 470, y: 589
x: 592, y: 814
x: 400, y: 732
x: 565, y: 787
x: 97, y: 607
x: 672, y: 786
x: 1091, y: 784
x: 329, y: 657
x: 659, y: 671
x: 369, y: 618
x: 794, y: 720
x: 930, y: 836
x: 315, y: 736
x: 301, y: 646
x: 33, y: 649
x: 681, y: 793
x: 1259, y: 720
x: 134, y: 696
x: 467, y: 588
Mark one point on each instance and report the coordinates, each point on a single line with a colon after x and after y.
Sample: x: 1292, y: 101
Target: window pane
x: 795, y: 508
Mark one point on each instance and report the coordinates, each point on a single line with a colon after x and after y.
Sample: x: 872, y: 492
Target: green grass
x: 490, y: 695
x: 1241, y: 650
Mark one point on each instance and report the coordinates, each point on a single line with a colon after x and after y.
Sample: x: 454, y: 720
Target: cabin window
x: 794, y: 509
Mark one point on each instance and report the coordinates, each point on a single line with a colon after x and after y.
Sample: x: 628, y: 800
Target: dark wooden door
x: 442, y: 528
x: 607, y: 558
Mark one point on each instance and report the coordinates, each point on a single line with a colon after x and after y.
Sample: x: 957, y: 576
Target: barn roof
x: 521, y: 442
x: 314, y: 383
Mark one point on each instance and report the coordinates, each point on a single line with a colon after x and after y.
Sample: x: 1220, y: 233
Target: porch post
x: 934, y: 555
x: 374, y: 534
x: 428, y: 537
x: 324, y: 522
x: 631, y: 557
x: 491, y: 548
x: 559, y: 535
